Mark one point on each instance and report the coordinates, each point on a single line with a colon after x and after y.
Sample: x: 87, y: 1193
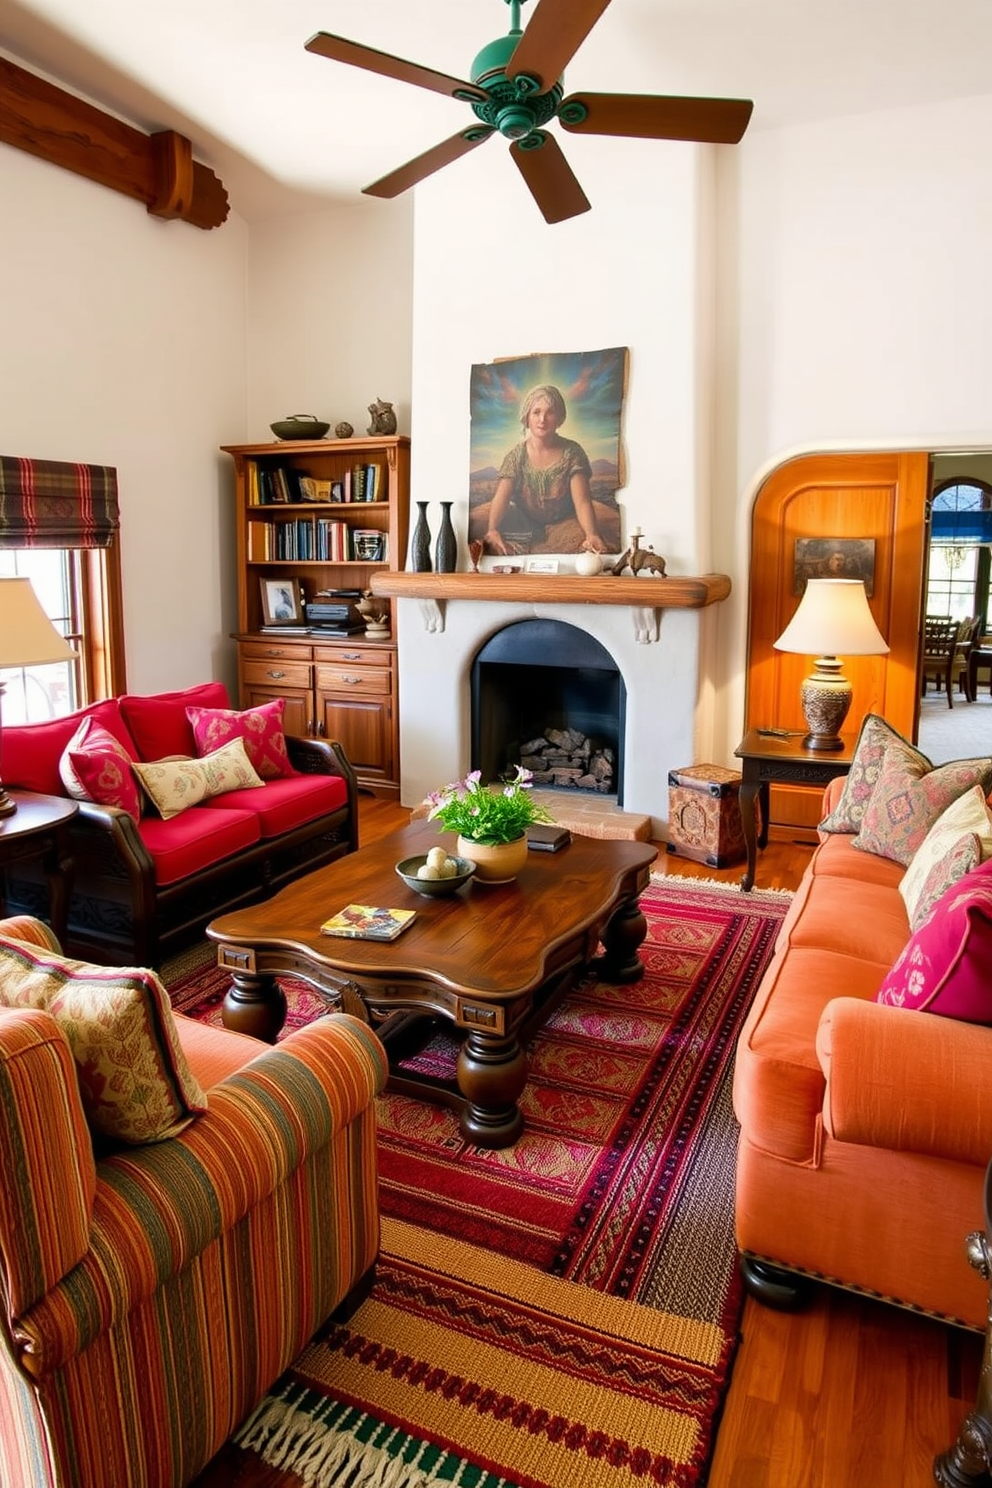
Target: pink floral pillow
x: 944, y: 966
x: 261, y: 728
x: 96, y: 767
x: 909, y: 797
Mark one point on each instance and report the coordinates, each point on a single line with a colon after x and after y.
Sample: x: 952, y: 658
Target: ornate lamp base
x: 826, y: 698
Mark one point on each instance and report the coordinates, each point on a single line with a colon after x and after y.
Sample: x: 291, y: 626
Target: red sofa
x: 142, y: 887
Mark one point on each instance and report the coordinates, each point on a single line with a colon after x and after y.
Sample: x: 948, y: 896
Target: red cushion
x: 30, y: 752
x: 261, y: 728
x: 158, y: 722
x: 282, y: 805
x: 95, y: 766
x: 196, y: 839
x: 945, y: 965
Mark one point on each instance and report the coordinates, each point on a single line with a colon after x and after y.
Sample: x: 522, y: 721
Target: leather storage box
x: 704, y: 815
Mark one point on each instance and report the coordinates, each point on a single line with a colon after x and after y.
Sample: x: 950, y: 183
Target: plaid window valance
x: 56, y: 504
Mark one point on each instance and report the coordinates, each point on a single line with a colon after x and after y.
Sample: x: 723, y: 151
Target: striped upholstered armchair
x: 181, y: 1207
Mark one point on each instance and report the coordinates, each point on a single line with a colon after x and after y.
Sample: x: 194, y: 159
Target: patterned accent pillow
x: 261, y: 728
x: 876, y: 739
x: 174, y: 786
x: 135, y: 1083
x: 906, y: 802
x: 96, y: 767
x: 944, y: 965
x: 967, y: 823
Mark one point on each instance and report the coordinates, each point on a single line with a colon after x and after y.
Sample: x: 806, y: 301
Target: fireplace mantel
x: 644, y: 596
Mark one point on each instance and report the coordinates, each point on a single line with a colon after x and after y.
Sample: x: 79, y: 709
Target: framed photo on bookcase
x: 282, y: 601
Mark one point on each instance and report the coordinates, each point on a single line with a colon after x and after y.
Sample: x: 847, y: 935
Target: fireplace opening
x: 549, y: 696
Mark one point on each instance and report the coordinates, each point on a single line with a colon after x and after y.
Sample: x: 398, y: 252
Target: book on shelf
x: 368, y: 922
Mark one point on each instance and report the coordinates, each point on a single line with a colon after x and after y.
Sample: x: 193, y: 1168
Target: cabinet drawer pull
x: 352, y: 681
x: 351, y: 655
x: 276, y: 675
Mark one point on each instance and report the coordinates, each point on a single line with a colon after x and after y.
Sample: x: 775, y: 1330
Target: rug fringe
x: 321, y: 1452
x: 679, y: 881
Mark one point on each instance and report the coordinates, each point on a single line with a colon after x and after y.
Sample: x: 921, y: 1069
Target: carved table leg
x: 492, y: 1073
x: 255, y: 1004
x: 622, y: 938
x: 970, y: 1459
x: 748, y: 792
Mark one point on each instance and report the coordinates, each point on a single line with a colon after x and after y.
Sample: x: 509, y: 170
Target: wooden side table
x: 39, y: 829
x: 777, y: 757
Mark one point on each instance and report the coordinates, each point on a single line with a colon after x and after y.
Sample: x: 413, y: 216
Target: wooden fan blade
x: 339, y: 49
x: 552, y: 36
x: 715, y: 121
x: 550, y: 180
x: 425, y: 165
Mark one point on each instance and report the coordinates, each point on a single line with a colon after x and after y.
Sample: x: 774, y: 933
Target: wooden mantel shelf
x: 644, y: 596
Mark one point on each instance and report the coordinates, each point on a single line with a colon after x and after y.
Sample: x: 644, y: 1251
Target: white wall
x: 123, y: 343
x: 329, y: 329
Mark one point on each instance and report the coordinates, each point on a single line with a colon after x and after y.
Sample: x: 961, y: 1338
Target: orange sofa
x: 865, y: 1129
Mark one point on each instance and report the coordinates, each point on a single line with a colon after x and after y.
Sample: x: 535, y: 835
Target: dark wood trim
x: 158, y: 169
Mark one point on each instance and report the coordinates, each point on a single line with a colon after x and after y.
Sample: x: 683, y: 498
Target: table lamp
x: 833, y: 617
x: 27, y: 638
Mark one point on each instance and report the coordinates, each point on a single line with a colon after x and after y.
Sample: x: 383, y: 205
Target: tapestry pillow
x: 907, y: 800
x: 175, y: 785
x: 261, y: 728
x: 875, y: 740
x: 134, y: 1081
x: 944, y: 966
x: 958, y: 841
x: 96, y: 767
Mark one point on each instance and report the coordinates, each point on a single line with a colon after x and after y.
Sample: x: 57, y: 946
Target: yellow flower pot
x: 499, y: 864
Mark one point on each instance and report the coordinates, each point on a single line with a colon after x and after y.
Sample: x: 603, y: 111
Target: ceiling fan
x: 516, y: 88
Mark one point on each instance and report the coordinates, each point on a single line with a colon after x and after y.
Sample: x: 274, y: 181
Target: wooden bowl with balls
x: 435, y: 874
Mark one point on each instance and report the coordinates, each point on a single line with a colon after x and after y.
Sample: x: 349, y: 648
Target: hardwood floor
x: 847, y: 1392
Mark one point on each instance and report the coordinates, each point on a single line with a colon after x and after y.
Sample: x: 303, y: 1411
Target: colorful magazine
x: 368, y: 922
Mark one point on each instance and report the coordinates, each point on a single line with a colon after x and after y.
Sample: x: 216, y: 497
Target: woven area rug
x: 565, y: 1311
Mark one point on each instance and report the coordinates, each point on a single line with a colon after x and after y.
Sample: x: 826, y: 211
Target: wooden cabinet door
x: 363, y: 724
x: 297, y: 718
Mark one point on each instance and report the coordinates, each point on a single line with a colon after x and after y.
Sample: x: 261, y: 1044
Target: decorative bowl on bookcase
x: 300, y: 426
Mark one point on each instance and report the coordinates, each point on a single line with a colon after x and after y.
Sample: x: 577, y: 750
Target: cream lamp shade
x: 833, y: 618
x: 27, y: 638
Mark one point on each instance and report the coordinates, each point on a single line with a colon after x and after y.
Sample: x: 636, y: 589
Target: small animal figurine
x: 383, y: 418
x: 635, y: 558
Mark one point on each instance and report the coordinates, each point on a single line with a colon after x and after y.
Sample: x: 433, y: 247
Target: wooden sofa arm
x: 906, y: 1080
x: 327, y: 757
x: 158, y: 1207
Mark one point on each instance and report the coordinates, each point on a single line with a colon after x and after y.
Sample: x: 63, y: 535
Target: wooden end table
x: 776, y: 757
x: 38, y: 830
x: 490, y: 960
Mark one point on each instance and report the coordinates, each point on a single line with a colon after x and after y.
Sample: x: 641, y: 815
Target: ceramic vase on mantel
x: 495, y: 864
x: 446, y: 551
x: 420, y: 546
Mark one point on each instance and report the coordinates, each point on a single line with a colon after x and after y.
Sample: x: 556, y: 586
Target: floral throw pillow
x: 958, y: 841
x: 135, y: 1083
x: 174, y: 785
x: 943, y: 968
x: 261, y: 728
x: 876, y: 740
x: 907, y: 800
x: 96, y: 767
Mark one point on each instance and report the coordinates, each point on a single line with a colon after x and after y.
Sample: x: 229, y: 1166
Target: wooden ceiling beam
x: 157, y: 169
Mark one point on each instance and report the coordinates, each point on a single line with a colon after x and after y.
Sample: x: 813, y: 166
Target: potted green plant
x: 491, y: 821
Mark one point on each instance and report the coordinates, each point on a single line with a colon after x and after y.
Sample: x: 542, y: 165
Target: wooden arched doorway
x: 881, y: 499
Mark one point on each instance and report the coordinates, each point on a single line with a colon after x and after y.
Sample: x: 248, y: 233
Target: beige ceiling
x: 285, y: 129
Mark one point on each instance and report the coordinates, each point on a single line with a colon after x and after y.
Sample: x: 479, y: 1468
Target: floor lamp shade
x: 833, y: 618
x: 27, y: 638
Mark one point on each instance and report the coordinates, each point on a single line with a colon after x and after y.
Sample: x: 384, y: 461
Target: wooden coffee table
x: 491, y: 960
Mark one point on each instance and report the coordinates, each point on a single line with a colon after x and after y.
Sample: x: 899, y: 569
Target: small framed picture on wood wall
x: 834, y: 558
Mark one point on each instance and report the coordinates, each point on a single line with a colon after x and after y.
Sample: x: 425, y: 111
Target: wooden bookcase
x: 297, y: 519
